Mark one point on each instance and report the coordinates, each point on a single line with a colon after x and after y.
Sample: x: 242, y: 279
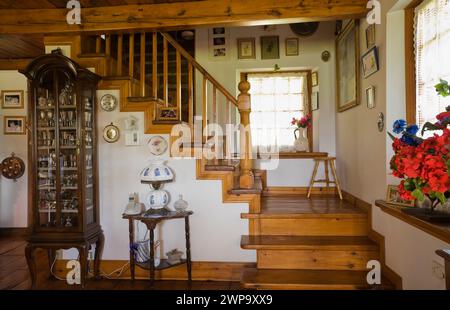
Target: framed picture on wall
x: 12, y: 99
x: 347, y: 67
x: 370, y: 97
x: 315, y: 101
x: 218, y: 43
x: 370, y: 36
x: 314, y: 79
x: 14, y: 125
x: 292, y: 47
x: 246, y: 48
x: 270, y: 47
x: 370, y: 62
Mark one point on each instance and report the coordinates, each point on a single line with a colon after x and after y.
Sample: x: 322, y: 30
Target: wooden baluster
x: 228, y: 113
x: 119, y: 54
x: 166, y: 72
x: 108, y: 54
x: 178, y: 90
x: 204, y: 105
x: 131, y: 62
x: 155, y: 65
x: 142, y: 66
x: 247, y: 178
x: 191, y: 93
x: 214, y: 104
x: 98, y: 44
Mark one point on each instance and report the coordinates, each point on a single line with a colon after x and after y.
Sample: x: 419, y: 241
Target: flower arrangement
x: 423, y: 164
x: 303, y: 122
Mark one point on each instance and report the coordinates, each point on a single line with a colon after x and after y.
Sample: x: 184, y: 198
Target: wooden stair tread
x: 142, y: 99
x: 257, y: 189
x: 308, y: 279
x: 222, y: 165
x: 115, y: 78
x: 352, y: 243
x: 91, y: 55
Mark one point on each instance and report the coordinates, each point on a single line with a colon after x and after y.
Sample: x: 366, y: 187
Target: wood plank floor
x: 14, y: 275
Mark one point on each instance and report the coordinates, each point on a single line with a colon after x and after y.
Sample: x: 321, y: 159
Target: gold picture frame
x: 12, y: 99
x: 270, y: 47
x: 347, y: 67
x: 168, y: 114
x: 14, y: 125
x: 292, y: 47
x: 392, y: 197
x: 315, y: 79
x: 246, y: 48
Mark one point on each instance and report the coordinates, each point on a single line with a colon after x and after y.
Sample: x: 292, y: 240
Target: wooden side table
x: 151, y: 222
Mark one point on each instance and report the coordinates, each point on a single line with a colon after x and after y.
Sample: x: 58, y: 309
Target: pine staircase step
x: 142, y: 99
x: 91, y: 55
x: 257, y: 188
x: 313, y: 252
x: 268, y: 279
x: 114, y: 78
x: 222, y: 165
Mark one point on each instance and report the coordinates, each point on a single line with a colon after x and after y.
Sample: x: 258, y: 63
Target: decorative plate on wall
x: 12, y: 167
x: 157, y: 145
x: 304, y: 29
x: 111, y: 133
x: 108, y: 103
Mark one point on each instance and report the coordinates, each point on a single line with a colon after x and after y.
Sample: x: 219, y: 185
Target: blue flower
x: 412, y: 129
x: 399, y: 126
x: 407, y: 139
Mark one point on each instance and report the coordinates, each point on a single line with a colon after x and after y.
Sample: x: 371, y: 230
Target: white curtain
x: 275, y: 99
x: 432, y: 49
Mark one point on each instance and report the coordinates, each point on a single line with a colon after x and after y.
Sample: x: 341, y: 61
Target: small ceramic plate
x: 157, y: 145
x: 108, y: 103
x: 111, y: 133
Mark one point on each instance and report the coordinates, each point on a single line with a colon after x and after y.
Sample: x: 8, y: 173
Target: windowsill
x: 297, y: 155
x: 440, y: 231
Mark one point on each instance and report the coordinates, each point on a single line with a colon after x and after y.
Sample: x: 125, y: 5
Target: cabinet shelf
x: 67, y: 128
x: 65, y: 107
x: 45, y: 108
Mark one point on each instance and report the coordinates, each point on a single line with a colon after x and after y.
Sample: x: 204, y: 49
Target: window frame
x: 310, y: 131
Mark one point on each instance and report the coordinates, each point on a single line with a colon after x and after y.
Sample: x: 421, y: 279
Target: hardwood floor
x: 14, y: 275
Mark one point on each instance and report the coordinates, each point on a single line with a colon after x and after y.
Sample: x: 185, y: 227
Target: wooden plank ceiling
x: 21, y: 46
x: 60, y: 4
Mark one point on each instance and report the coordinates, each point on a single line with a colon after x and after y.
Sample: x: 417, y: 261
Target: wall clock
x: 157, y: 145
x: 108, y: 103
x: 304, y: 29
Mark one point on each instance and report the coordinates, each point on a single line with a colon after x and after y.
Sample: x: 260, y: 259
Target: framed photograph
x: 347, y: 67
x: 315, y: 101
x: 370, y: 62
x: 314, y: 79
x: 370, y: 97
x: 292, y: 47
x: 246, y: 48
x: 168, y: 114
x: 219, y: 31
x: 14, y: 125
x: 393, y: 197
x: 270, y: 47
x: 218, y: 43
x: 370, y: 36
x: 12, y: 99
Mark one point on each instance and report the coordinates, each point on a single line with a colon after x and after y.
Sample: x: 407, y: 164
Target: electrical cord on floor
x: 53, y: 274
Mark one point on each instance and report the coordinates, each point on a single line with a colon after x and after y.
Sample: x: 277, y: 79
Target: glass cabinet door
x: 88, y: 128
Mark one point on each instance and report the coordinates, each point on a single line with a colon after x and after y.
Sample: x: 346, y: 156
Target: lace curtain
x: 276, y: 98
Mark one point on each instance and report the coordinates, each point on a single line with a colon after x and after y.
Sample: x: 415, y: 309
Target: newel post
x: 247, y: 179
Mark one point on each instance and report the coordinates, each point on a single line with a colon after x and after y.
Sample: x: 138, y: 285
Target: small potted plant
x: 301, y: 143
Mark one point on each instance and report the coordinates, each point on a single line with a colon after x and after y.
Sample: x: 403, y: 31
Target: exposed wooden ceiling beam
x: 180, y: 15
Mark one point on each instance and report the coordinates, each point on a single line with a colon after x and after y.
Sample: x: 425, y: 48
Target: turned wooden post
x: 247, y: 179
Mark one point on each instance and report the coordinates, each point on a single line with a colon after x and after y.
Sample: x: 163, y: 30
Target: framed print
x: 246, y: 48
x: 315, y: 101
x: 370, y: 62
x: 315, y: 79
x: 218, y: 43
x: 347, y: 67
x: 370, y: 36
x: 292, y: 47
x: 393, y: 197
x: 270, y: 47
x: 14, y: 125
x: 12, y: 99
x: 168, y: 114
x: 219, y: 31
x: 370, y: 97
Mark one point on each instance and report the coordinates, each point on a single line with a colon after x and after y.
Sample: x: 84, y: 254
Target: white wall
x: 227, y: 72
x: 13, y: 195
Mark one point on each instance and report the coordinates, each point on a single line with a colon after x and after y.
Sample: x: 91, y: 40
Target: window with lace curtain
x: 275, y: 99
x: 432, y: 62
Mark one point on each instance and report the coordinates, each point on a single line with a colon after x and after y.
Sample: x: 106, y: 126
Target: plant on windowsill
x: 301, y: 143
x: 424, y: 164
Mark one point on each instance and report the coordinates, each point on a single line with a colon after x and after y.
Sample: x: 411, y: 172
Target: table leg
x: 152, y: 256
x: 131, y: 236
x: 31, y: 261
x: 98, y: 254
x: 188, y: 248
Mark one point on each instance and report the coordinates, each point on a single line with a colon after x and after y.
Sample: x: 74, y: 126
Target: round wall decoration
x: 111, y: 133
x: 326, y: 56
x: 12, y: 167
x: 304, y: 29
x: 108, y: 103
x: 157, y: 145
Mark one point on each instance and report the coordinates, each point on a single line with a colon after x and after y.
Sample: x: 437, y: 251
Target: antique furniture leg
x: 327, y: 175
x: 98, y: 254
x: 51, y: 253
x: 131, y: 235
x: 152, y: 256
x: 336, y: 179
x: 29, y: 254
x: 83, y: 250
x: 188, y: 249
x: 311, y: 184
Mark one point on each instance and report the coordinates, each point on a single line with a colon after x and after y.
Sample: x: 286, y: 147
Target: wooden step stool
x: 329, y: 162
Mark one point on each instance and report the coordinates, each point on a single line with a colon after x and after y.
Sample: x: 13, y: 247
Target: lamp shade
x: 157, y: 172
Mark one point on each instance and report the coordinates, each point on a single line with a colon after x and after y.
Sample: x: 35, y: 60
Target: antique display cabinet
x: 62, y: 168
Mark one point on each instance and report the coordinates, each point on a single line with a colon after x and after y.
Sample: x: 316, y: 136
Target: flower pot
x: 301, y: 143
